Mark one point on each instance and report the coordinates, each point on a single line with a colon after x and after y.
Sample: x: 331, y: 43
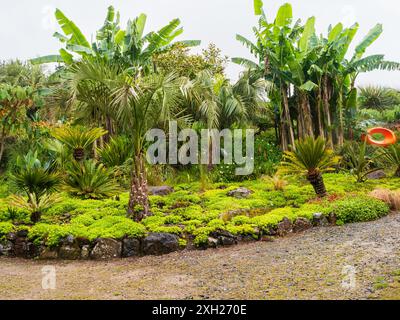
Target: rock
x: 48, y: 254
x: 332, y: 218
x: 69, y: 240
x: 6, y: 249
x: 224, y: 238
x: 284, y: 227
x: 25, y: 249
x: 106, y: 249
x: 85, y: 252
x: 12, y: 236
x: 160, y: 191
x: 212, y: 242
x: 160, y: 243
x: 267, y: 239
x: 320, y: 220
x: 70, y: 252
x: 240, y: 193
x: 130, y: 248
x: 22, y: 233
x: 376, y: 175
x: 301, y: 224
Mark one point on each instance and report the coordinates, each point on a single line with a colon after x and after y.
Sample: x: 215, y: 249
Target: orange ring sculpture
x: 389, y: 137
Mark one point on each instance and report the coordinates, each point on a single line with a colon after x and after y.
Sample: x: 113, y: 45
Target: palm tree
x: 77, y: 138
x: 311, y: 157
x: 142, y: 104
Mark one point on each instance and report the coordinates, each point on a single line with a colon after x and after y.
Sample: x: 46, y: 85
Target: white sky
x: 26, y: 26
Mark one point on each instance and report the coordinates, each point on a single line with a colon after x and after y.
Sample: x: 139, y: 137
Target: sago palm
x: 90, y: 180
x: 311, y: 157
x: 78, y: 139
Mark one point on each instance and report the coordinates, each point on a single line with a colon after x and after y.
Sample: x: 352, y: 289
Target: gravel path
x: 302, y: 266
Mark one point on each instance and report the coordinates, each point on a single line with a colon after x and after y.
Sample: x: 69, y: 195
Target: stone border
x: 18, y: 245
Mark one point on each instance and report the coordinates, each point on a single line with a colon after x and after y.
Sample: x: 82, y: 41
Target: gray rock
x: 301, y: 224
x: 12, y: 236
x: 160, y: 243
x: 70, y: 252
x: 284, y: 227
x: 240, y: 193
x: 160, y: 191
x: 85, y: 252
x: 212, y: 242
x: 106, y: 249
x: 6, y: 248
x: 130, y: 248
x: 320, y: 220
x: 377, y: 175
x: 69, y: 240
x: 224, y: 238
x: 48, y: 254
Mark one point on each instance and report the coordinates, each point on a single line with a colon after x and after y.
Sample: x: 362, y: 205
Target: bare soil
x: 309, y: 265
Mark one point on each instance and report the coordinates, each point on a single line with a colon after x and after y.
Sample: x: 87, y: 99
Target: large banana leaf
x: 335, y: 32
x: 347, y: 36
x: 309, y: 31
x: 284, y: 16
x: 369, y: 39
x: 47, y: 59
x: 258, y: 4
x: 245, y: 62
x: 70, y: 29
x: 248, y: 44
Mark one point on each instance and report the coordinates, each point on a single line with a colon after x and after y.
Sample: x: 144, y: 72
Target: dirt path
x: 303, y: 266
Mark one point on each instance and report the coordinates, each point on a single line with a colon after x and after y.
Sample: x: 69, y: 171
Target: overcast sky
x: 27, y: 25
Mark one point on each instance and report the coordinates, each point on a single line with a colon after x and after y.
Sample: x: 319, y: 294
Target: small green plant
x: 392, y: 156
x: 359, y: 209
x: 116, y: 152
x: 90, y: 180
x: 359, y: 160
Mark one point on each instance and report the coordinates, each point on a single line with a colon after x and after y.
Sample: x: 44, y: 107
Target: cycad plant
x: 37, y: 181
x: 392, y: 155
x: 78, y: 138
x: 116, y: 152
x: 90, y: 180
x: 310, y: 157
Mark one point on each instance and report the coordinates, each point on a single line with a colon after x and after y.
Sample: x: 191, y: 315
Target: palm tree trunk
x: 316, y: 180
x: 138, y: 206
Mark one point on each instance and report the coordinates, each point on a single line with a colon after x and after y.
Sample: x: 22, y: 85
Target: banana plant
x: 130, y: 46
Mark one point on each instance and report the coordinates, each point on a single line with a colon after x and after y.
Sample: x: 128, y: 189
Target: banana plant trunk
x: 138, y: 206
x: 287, y: 132
x: 316, y: 180
x: 327, y: 112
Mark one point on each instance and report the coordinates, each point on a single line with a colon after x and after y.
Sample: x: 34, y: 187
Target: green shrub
x: 5, y: 228
x: 358, y: 209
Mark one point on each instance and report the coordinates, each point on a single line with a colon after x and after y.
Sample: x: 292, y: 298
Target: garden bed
x: 187, y: 218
